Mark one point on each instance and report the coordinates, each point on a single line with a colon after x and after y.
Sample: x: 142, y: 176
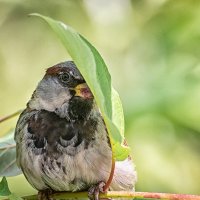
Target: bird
x: 62, y: 143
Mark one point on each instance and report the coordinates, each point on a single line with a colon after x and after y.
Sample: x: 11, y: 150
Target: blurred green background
x: 152, y: 49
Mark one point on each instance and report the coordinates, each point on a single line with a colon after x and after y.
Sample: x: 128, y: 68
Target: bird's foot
x: 45, y: 194
x: 95, y: 190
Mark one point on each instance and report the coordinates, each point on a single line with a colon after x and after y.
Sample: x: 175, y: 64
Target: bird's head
x: 61, y: 84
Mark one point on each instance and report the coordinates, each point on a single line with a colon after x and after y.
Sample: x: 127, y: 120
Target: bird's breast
x: 64, y: 155
x: 48, y: 133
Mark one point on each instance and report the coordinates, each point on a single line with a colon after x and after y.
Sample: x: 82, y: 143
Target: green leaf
x: 95, y: 72
x: 4, y: 190
x: 14, y: 197
x: 8, y: 166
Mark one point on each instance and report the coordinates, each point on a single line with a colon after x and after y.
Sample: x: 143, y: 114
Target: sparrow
x: 62, y: 143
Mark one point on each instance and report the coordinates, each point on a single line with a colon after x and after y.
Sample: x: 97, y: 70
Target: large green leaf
x: 8, y: 165
x: 95, y: 72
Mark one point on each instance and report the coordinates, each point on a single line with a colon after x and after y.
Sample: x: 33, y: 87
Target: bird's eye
x: 65, y: 77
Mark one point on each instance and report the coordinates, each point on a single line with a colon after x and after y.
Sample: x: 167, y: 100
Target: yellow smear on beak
x: 82, y: 90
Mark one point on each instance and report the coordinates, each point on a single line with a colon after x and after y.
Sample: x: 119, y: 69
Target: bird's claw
x: 45, y: 194
x: 93, y: 192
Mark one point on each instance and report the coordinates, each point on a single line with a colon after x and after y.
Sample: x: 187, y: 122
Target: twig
x: 107, y: 185
x: 9, y: 146
x: 10, y: 116
x: 122, y: 194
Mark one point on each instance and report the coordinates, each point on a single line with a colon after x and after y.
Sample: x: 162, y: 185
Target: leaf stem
x: 2, y: 119
x: 122, y: 194
x: 107, y: 185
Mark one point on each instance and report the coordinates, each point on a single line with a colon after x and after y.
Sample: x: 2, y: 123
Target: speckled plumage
x: 62, y: 141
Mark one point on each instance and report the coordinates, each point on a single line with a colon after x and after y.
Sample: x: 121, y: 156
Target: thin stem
x: 122, y: 194
x: 2, y: 119
x: 107, y: 185
x: 5, y: 148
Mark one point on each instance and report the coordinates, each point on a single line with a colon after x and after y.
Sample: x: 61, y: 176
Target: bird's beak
x: 82, y: 90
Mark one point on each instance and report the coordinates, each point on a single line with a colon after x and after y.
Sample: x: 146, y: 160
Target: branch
x: 107, y: 185
x: 2, y: 119
x: 121, y: 194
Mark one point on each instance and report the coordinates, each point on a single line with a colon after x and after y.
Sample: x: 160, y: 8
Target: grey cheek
x: 52, y: 96
x: 50, y: 88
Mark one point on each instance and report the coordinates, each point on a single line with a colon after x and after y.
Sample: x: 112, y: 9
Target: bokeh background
x: 152, y: 49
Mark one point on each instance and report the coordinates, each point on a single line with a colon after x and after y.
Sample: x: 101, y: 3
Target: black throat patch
x: 79, y: 108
